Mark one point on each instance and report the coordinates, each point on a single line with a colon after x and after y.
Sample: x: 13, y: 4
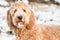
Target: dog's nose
x: 20, y: 17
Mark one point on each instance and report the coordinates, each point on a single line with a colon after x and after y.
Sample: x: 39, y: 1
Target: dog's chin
x: 20, y: 25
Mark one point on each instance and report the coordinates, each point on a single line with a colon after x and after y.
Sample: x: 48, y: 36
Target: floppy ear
x: 9, y: 20
x: 31, y: 21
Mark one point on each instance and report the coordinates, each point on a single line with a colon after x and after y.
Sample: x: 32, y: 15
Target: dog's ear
x: 9, y: 20
x: 31, y: 21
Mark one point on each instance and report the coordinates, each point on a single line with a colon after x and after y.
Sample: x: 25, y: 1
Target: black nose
x: 20, y: 17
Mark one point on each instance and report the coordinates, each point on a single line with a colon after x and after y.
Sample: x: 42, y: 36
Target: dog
x: 21, y: 20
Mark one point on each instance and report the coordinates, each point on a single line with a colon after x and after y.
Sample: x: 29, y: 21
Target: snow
x: 4, y: 3
x: 4, y: 36
x: 3, y: 22
x: 57, y: 1
x: 47, y: 13
x: 25, y: 1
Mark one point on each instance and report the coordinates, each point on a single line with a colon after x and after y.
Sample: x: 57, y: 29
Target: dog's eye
x: 24, y: 10
x: 15, y: 11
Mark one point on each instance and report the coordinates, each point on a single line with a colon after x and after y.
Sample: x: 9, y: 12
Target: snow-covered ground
x: 5, y: 36
x: 4, y: 3
x: 48, y: 14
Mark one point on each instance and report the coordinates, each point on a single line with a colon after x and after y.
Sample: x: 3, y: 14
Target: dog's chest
x: 27, y: 35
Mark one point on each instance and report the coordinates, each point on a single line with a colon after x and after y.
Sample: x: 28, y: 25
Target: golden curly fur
x: 25, y: 28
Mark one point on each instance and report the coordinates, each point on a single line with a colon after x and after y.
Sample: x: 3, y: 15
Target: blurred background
x: 46, y: 12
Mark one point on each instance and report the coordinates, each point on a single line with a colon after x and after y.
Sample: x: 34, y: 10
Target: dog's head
x: 20, y: 15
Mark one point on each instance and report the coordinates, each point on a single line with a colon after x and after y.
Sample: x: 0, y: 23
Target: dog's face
x: 20, y: 15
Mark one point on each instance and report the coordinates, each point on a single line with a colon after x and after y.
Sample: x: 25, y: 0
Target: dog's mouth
x: 20, y: 24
